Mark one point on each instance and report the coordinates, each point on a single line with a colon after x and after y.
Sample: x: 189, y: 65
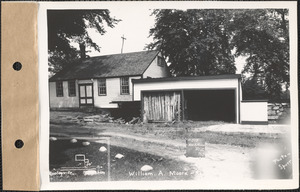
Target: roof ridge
x: 125, y: 64
x: 123, y: 53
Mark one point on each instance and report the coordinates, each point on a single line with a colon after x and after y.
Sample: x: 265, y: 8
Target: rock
x: 134, y: 120
x: 53, y: 138
x: 73, y: 140
x: 98, y: 168
x: 102, y: 149
x: 106, y: 116
x: 119, y: 156
x: 98, y: 118
x: 89, y: 172
x: 86, y: 143
x: 273, y: 117
x: 88, y: 120
x: 271, y: 113
x: 120, y: 121
x: 93, y: 117
x: 146, y: 168
x: 103, y: 120
x: 101, y: 173
x: 52, y: 174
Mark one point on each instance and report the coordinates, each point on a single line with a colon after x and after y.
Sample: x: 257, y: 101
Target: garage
x: 204, y: 98
x: 195, y: 105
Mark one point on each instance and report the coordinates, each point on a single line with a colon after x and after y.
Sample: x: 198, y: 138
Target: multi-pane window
x: 72, y: 89
x: 59, y: 89
x: 124, y: 85
x: 101, y: 86
x: 160, y: 61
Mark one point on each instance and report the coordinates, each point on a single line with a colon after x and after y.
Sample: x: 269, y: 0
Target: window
x: 59, y: 89
x: 72, y: 89
x: 101, y: 86
x: 160, y: 61
x: 124, y: 85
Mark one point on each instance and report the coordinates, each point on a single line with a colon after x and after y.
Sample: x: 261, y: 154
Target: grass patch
x: 243, y: 140
x: 61, y: 123
x: 179, y: 131
x: 62, y: 153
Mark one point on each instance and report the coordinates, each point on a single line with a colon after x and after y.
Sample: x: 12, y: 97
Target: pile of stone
x: 135, y: 120
x: 97, y: 118
x: 119, y: 120
x: 278, y: 112
x: 101, y: 119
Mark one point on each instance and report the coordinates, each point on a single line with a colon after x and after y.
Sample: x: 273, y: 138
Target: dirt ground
x: 227, y: 156
x: 127, y: 167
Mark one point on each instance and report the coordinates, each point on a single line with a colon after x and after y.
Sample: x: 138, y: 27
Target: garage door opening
x: 206, y: 105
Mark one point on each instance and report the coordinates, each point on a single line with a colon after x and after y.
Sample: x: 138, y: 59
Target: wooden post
x: 123, y: 38
x: 108, y: 159
x: 182, y: 105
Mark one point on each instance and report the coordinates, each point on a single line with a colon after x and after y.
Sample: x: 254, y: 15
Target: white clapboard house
x: 138, y: 84
x: 104, y: 81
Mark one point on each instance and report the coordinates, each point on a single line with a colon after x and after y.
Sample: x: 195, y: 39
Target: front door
x: 86, y: 93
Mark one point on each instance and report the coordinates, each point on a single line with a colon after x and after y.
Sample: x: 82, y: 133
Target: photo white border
x: 205, y: 184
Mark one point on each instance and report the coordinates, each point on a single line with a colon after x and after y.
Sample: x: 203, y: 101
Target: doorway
x: 86, y: 93
x: 210, y: 105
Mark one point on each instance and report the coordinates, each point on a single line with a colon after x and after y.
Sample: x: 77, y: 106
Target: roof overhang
x: 254, y: 100
x: 89, y: 78
x: 124, y: 101
x: 210, y: 77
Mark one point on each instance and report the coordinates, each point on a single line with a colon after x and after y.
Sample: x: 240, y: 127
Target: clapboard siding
x: 112, y: 93
x: 155, y: 71
x: 65, y: 101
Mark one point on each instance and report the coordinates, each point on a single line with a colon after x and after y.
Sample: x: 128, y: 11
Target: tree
x: 205, y: 42
x: 252, y: 89
x: 196, y: 42
x: 67, y: 26
x: 262, y: 36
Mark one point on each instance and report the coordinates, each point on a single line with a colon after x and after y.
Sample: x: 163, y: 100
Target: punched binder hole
x: 17, y: 66
x: 19, y: 143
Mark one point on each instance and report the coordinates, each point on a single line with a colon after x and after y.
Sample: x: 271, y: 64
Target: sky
x: 135, y: 25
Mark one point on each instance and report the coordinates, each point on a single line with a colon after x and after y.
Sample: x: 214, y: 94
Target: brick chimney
x: 82, y: 50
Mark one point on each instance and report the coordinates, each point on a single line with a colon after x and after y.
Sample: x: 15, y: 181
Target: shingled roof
x: 126, y: 64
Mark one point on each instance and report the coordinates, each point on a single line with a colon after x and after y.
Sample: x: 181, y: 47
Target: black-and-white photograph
x: 157, y: 94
